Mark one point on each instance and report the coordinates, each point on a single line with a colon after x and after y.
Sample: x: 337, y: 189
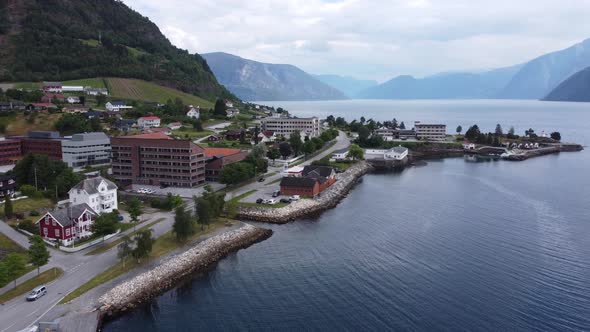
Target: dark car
x: 276, y: 193
x: 261, y: 180
x: 285, y: 200
x: 259, y: 201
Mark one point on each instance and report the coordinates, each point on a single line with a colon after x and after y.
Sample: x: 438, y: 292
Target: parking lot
x: 183, y: 192
x: 265, y: 192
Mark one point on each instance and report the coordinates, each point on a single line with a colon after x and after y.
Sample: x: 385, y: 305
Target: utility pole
x: 37, y: 188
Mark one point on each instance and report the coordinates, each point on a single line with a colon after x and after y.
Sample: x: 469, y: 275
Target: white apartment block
x: 434, y: 132
x: 99, y: 193
x: 148, y: 122
x: 88, y: 149
x: 285, y: 126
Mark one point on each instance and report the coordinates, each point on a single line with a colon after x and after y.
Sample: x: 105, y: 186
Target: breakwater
x: 308, y: 207
x: 146, y: 286
x: 557, y: 148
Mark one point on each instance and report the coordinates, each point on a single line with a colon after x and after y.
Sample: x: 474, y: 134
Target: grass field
x: 113, y: 244
x: 93, y: 82
x: 8, y: 246
x: 190, y: 133
x: 28, y: 204
x: 21, y: 125
x: 163, y: 245
x: 147, y: 91
x: 42, y: 279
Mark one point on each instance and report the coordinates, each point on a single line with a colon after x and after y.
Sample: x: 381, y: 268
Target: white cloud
x: 374, y: 38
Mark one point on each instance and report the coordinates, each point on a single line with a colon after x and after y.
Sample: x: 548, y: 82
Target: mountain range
x: 350, y: 86
x: 534, y: 79
x: 253, y: 80
x: 74, y: 39
x: 575, y: 88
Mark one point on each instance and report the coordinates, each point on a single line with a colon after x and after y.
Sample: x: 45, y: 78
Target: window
x: 57, y: 233
x: 45, y: 232
x: 47, y: 220
x: 53, y: 222
x: 67, y: 232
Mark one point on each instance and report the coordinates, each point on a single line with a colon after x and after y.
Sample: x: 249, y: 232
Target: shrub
x: 34, y: 213
x: 28, y: 226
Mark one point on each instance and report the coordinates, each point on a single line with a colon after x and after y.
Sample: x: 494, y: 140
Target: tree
x: 472, y: 133
x: 285, y: 149
x: 8, y: 212
x: 258, y: 151
x: 124, y: 249
x: 499, y: 131
x: 355, y: 152
x: 394, y: 123
x: 197, y: 125
x: 38, y: 253
x: 256, y: 132
x: 105, y: 224
x: 273, y: 154
x: 510, y: 132
x: 183, y: 225
x: 308, y: 148
x: 459, y: 129
x: 295, y: 141
x: 556, y: 136
x: 530, y: 132
x: 402, y: 126
x: 143, y: 244
x: 236, y: 173
x: 220, y: 109
x: 331, y: 120
x: 13, y: 265
x: 101, y: 99
x: 204, y: 210
x: 363, y: 120
x: 364, y: 134
x: 135, y: 209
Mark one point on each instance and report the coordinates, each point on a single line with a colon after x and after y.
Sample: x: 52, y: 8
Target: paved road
x: 18, y: 314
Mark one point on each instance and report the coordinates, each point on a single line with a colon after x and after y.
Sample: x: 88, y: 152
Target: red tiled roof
x: 211, y: 152
x: 175, y: 123
x: 149, y: 136
x: 150, y: 117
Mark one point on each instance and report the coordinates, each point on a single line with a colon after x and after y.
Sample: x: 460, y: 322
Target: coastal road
x: 342, y: 141
x: 18, y: 314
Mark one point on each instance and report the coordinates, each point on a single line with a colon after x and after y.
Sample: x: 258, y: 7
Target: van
x: 37, y: 293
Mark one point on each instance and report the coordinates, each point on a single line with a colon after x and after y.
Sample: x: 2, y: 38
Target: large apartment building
x: 156, y: 159
x: 10, y: 151
x: 434, y: 132
x: 43, y: 142
x: 88, y: 149
x: 285, y: 126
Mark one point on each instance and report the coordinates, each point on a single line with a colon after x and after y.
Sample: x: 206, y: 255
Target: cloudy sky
x: 373, y: 39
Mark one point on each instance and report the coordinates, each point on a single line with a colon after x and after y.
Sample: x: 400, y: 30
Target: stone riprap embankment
x: 167, y: 275
x: 308, y: 207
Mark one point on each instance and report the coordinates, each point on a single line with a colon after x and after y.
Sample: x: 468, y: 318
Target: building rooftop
x: 90, y: 185
x: 341, y: 150
x: 89, y: 136
x: 151, y: 117
x: 290, y: 181
x: 65, y: 216
x: 157, y: 135
x: 220, y: 152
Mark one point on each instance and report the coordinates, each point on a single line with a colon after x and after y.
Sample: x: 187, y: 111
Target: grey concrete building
x: 88, y: 149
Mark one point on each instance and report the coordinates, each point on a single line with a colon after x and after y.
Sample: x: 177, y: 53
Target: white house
x: 468, y: 146
x: 115, y: 106
x: 99, y: 193
x: 175, y: 125
x: 148, y: 122
x: 194, y: 112
x: 96, y: 91
x: 396, y: 153
x: 229, y: 104
x: 341, y: 154
x: 266, y: 136
x: 72, y: 88
x: 73, y: 100
x: 232, y: 112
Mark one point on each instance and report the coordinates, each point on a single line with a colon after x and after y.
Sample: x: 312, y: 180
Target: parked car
x: 36, y: 293
x: 285, y: 200
x: 295, y: 197
x: 271, y: 201
x: 259, y: 201
x: 150, y: 191
x: 261, y: 180
x: 276, y: 193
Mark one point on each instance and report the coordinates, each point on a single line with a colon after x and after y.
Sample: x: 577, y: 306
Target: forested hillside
x: 71, y: 39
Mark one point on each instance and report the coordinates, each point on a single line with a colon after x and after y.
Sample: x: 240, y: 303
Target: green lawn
x: 113, y: 244
x: 90, y: 42
x: 163, y: 245
x: 28, y: 204
x: 191, y: 133
x: 93, y: 82
x: 27, y: 85
x: 242, y: 196
x: 8, y: 246
x: 42, y: 279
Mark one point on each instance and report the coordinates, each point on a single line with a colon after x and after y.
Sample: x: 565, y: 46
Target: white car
x: 295, y: 197
x: 271, y: 201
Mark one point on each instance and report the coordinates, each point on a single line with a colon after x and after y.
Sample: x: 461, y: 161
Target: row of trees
x: 295, y: 146
x: 33, y: 96
x: 370, y: 124
x: 45, y: 175
x: 69, y: 124
x: 475, y: 135
x: 206, y: 208
x: 15, y: 264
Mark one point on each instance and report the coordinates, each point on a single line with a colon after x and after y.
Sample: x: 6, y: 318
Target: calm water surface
x: 455, y: 245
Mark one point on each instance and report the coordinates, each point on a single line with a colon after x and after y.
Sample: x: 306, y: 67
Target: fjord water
x: 454, y: 245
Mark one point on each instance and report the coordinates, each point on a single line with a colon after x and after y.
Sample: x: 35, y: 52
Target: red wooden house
x: 313, y: 180
x: 67, y: 225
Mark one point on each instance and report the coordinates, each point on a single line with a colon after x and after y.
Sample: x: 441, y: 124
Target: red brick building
x: 217, y: 158
x: 156, y: 159
x: 313, y: 180
x: 43, y: 142
x: 10, y: 151
x: 67, y: 225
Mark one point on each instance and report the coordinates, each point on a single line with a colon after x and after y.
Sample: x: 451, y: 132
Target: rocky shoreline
x: 148, y: 285
x: 308, y: 207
